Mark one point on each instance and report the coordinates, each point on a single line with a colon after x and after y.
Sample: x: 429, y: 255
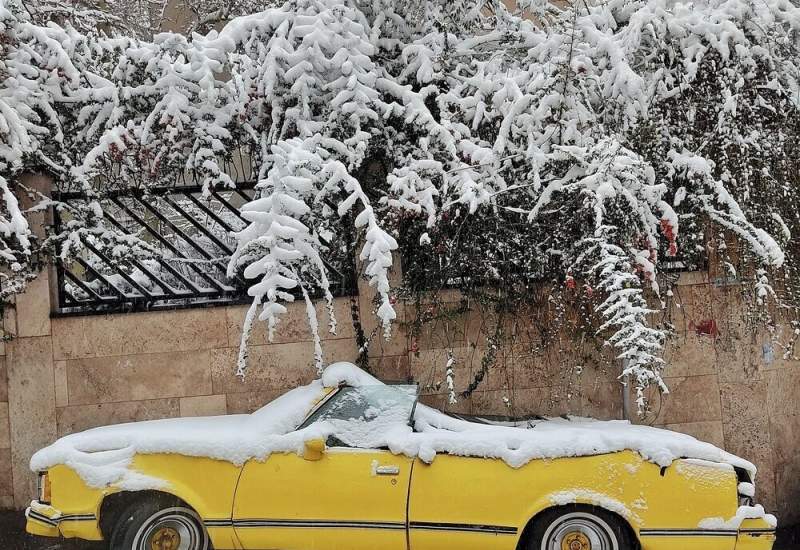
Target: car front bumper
x: 45, y: 521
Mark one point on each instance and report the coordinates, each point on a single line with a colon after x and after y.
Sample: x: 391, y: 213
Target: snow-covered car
x: 349, y: 463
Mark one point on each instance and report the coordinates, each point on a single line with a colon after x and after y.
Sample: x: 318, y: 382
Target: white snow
x: 102, y: 456
x: 742, y: 513
x: 514, y: 121
x: 584, y: 495
x: 747, y: 489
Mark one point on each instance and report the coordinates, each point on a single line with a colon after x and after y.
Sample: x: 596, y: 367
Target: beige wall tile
x: 785, y: 439
x: 493, y: 402
x: 603, y: 400
x: 441, y: 402
x: 550, y: 401
x: 33, y: 307
x: 205, y: 405
x: 5, y: 427
x: 31, y: 395
x: 274, y: 366
x: 293, y: 326
x: 6, y: 480
x: 76, y: 418
x: 710, y: 431
x: 447, y: 329
x: 690, y: 355
x: 690, y: 399
x: 742, y: 401
x: 247, y: 402
x: 3, y: 379
x: 144, y: 376
x: 62, y: 392
x: 429, y: 368
x: 10, y: 321
x: 747, y: 434
x: 787, y: 492
x: 692, y: 278
x: 783, y: 392
x: 132, y: 333
x: 394, y: 368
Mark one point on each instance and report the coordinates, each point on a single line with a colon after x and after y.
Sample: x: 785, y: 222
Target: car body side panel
x: 490, y: 494
x: 73, y: 499
x: 339, y: 502
x: 205, y: 484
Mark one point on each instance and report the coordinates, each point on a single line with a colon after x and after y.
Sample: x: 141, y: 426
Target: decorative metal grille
x: 192, y: 235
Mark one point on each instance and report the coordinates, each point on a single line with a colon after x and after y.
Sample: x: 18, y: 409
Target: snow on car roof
x: 102, y: 456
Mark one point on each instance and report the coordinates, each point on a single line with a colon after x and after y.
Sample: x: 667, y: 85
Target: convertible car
x: 348, y: 463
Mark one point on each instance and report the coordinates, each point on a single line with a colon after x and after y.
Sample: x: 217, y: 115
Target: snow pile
x: 102, y: 456
x: 563, y: 498
x: 742, y: 513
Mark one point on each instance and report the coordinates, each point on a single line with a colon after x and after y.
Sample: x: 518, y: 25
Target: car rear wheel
x: 579, y: 527
x: 157, y: 524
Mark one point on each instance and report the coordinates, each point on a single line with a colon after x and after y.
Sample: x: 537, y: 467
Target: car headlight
x: 43, y: 488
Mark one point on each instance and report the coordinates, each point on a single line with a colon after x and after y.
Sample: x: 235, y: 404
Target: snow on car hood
x: 102, y: 456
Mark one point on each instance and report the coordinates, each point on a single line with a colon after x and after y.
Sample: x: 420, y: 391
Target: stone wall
x: 730, y: 383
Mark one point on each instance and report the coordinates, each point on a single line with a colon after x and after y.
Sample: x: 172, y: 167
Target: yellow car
x: 347, y: 463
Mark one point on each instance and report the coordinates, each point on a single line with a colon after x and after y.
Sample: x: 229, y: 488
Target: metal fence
x: 192, y: 235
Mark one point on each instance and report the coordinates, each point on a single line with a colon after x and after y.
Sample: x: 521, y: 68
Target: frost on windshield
x: 363, y: 416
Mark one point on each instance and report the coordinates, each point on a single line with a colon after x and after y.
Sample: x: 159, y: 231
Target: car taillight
x: 43, y: 488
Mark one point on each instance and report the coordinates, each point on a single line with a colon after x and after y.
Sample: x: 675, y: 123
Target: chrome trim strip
x: 41, y: 518
x: 345, y: 524
x: 463, y: 527
x: 688, y: 532
x: 56, y: 520
x: 305, y: 523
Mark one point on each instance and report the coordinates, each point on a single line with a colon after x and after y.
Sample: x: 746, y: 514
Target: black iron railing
x: 191, y: 234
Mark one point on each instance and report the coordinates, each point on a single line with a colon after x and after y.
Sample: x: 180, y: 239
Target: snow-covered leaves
x: 573, y: 140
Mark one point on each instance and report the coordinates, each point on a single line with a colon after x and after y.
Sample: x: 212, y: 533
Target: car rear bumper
x: 755, y: 539
x: 45, y: 521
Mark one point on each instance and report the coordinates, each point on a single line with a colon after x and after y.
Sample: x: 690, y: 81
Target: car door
x: 351, y: 496
x: 480, y: 511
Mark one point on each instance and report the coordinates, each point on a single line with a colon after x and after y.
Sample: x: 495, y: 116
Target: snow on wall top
x: 102, y: 456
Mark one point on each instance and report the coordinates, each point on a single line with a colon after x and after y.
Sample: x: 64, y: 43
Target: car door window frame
x: 333, y: 441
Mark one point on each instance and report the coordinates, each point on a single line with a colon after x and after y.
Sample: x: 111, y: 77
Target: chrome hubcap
x: 173, y: 530
x: 576, y: 541
x: 166, y: 538
x: 579, y: 531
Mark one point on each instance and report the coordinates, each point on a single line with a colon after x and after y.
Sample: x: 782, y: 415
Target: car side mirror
x: 313, y: 449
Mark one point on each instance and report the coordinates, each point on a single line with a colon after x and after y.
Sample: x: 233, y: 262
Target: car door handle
x: 384, y: 470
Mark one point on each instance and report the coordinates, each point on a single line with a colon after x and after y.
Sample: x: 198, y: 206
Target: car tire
x: 579, y: 527
x: 159, y: 523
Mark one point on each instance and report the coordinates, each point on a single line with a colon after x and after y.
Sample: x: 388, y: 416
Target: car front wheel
x: 157, y: 524
x: 579, y: 527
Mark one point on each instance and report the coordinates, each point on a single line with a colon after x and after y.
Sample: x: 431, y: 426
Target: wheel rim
x: 172, y: 529
x: 576, y: 540
x: 169, y: 535
x: 579, y: 531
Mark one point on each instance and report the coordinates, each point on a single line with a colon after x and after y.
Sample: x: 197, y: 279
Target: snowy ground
x: 13, y: 537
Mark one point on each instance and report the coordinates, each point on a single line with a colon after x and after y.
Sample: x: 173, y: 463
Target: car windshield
x: 361, y: 417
